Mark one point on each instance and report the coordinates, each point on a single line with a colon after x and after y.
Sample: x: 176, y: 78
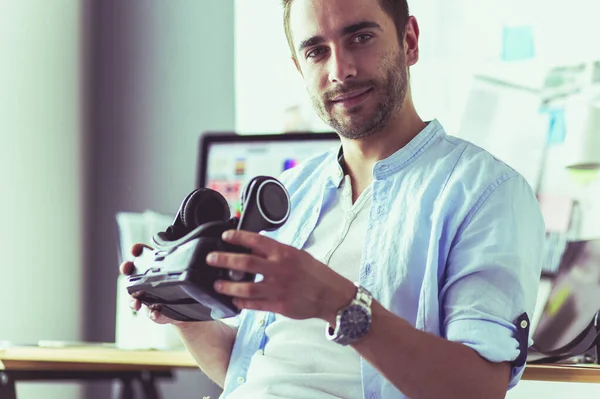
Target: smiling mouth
x: 352, y: 99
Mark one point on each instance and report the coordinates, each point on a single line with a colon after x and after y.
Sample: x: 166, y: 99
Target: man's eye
x: 362, y: 38
x: 315, y: 52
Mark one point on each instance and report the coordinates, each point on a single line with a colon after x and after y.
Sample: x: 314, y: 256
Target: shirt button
x: 339, y: 172
x: 240, y: 380
x: 261, y: 322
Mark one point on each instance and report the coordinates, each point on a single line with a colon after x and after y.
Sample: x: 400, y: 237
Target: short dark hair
x: 397, y: 9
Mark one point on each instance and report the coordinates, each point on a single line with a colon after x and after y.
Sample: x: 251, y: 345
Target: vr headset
x: 176, y: 275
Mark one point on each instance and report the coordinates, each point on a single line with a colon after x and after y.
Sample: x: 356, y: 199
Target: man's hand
x: 127, y: 268
x: 294, y: 283
x: 210, y: 342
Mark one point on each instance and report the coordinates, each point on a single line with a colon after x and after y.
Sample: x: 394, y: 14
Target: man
x: 442, y: 240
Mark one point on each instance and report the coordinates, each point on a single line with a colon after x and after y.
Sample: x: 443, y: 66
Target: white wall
x: 266, y: 80
x: 40, y: 177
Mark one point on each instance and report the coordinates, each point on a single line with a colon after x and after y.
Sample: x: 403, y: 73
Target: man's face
x: 352, y: 62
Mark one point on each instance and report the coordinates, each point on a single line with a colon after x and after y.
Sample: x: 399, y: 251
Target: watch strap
x: 363, y: 299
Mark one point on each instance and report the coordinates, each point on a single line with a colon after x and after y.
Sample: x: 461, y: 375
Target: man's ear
x: 297, y: 65
x: 411, y: 42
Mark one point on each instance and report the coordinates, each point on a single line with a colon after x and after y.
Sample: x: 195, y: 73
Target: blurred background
x: 102, y: 104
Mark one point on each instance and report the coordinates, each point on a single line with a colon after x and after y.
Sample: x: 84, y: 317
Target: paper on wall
x: 506, y: 121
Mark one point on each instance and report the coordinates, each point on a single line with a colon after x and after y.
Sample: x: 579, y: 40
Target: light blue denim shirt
x: 453, y: 246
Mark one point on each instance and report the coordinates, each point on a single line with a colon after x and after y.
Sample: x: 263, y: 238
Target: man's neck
x: 361, y: 155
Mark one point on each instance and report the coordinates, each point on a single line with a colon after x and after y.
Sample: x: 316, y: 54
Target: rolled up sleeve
x: 493, y: 273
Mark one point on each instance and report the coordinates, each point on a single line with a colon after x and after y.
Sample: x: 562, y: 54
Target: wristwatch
x: 353, y: 321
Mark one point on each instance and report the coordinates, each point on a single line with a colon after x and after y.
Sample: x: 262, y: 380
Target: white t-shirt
x: 298, y: 361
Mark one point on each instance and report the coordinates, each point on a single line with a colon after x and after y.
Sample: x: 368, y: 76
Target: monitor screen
x: 229, y: 161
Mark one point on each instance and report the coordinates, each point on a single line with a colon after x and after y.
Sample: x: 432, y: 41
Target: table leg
x: 128, y: 379
x: 148, y: 386
x: 127, y: 391
x: 7, y: 387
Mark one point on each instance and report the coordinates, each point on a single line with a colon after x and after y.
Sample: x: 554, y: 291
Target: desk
x: 94, y: 363
x: 563, y: 373
x: 89, y: 363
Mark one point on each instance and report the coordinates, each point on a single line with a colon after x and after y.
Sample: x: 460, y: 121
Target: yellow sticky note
x: 558, y: 301
x: 583, y: 177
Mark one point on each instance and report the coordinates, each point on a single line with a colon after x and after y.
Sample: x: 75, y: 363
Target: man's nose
x: 342, y: 66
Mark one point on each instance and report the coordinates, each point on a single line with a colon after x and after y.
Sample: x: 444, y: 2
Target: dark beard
x: 391, y: 91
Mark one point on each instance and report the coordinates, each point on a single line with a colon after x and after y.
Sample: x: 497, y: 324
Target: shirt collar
x: 336, y: 175
x: 394, y: 162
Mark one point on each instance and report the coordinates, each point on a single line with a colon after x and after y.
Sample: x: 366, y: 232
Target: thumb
x: 156, y: 316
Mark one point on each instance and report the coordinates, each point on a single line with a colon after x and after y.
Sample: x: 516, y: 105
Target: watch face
x: 355, y: 322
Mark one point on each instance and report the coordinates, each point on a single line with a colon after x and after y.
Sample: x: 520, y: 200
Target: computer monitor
x: 227, y: 161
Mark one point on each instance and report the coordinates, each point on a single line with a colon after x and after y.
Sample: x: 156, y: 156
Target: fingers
x: 152, y: 311
x: 137, y: 249
x: 244, y: 290
x: 258, y: 304
x: 260, y: 245
x: 135, y: 304
x: 127, y: 268
x: 241, y: 262
x: 156, y: 316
